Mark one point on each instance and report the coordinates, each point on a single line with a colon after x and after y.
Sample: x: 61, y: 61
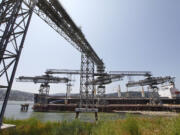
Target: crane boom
x: 131, y: 73
x: 43, y: 79
x: 151, y: 81
x: 106, y: 80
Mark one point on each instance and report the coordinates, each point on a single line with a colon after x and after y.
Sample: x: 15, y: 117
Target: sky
x: 135, y: 35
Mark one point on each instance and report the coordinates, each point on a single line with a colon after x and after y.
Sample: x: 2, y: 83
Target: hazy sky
x: 126, y: 34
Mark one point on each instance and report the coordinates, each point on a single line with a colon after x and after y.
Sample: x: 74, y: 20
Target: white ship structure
x: 169, y: 91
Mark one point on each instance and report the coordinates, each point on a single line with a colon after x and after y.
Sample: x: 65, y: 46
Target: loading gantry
x: 99, y: 82
x: 153, y: 83
x: 44, y: 80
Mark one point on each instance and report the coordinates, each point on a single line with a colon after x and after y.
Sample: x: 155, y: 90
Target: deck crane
x: 44, y: 80
x: 152, y: 82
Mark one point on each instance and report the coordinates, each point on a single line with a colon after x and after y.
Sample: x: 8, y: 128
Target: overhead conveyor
x: 53, y: 13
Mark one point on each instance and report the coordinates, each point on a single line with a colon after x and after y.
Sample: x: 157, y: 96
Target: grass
x: 129, y: 126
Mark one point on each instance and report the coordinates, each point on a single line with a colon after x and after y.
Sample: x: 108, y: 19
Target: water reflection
x: 13, y: 111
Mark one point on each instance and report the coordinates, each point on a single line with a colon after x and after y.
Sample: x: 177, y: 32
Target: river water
x: 13, y: 111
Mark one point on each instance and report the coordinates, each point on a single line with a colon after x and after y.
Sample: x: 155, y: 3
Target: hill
x: 17, y: 95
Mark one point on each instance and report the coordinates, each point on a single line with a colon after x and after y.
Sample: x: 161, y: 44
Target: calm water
x: 13, y: 111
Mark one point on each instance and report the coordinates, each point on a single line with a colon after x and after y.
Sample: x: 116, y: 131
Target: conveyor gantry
x: 53, y: 13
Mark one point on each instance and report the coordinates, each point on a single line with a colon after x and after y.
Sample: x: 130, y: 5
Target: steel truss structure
x: 15, y: 17
x: 44, y: 80
x: 100, y: 78
x: 14, y: 22
x: 52, y: 12
x: 152, y: 82
x: 86, y: 91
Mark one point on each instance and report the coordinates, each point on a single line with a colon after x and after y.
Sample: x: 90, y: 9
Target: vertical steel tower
x: 14, y: 22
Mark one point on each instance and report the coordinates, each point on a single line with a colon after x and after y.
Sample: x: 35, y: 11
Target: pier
x: 24, y: 107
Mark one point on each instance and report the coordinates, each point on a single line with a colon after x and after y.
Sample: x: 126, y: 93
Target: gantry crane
x: 15, y: 18
x: 152, y: 82
x: 44, y: 80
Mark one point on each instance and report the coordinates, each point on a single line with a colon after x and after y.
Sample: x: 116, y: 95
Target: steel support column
x: 14, y: 22
x: 86, y: 90
x: 44, y: 93
x: 101, y: 89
